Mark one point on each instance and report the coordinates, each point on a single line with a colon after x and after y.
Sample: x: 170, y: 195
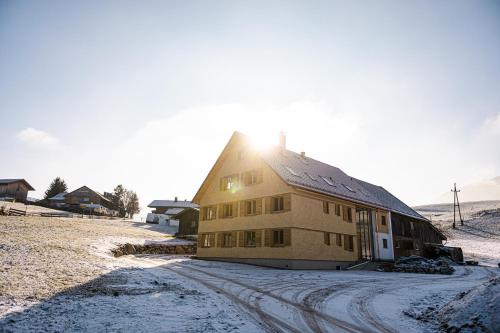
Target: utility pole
x: 456, y: 204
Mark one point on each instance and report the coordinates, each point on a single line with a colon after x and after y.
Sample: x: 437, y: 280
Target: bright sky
x: 400, y: 94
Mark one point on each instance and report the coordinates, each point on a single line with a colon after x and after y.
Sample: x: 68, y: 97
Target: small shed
x: 188, y: 221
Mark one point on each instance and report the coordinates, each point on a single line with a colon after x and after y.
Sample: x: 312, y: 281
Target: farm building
x: 164, y: 210
x: 161, y: 206
x: 14, y: 189
x: 86, y: 198
x: 188, y: 221
x: 284, y: 209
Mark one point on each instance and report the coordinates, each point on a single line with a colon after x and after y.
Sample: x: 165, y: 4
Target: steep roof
x: 308, y: 173
x: 171, y: 204
x: 10, y: 181
x: 390, y: 201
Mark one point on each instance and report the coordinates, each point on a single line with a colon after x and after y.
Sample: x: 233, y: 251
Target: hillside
x: 479, y: 237
x: 485, y: 190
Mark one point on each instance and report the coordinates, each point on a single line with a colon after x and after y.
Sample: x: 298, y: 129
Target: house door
x: 365, y: 235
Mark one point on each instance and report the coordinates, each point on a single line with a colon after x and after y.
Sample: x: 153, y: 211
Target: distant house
x: 188, y: 221
x: 161, y: 206
x: 164, y: 210
x: 58, y: 200
x: 86, y: 198
x: 14, y: 189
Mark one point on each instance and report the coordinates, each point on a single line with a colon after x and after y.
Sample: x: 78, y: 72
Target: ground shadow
x: 127, y: 299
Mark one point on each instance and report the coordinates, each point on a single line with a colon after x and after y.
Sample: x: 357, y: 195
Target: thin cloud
x: 36, y: 137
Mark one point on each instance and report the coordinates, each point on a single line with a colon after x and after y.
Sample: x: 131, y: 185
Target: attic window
x: 292, y: 171
x: 350, y: 189
x: 329, y: 181
x: 310, y: 176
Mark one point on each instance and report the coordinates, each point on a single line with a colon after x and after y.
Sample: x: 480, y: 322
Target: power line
x: 456, y: 204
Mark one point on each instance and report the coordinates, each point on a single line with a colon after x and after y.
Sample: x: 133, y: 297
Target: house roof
x: 308, y: 173
x: 171, y: 204
x: 88, y: 188
x: 10, y: 181
x: 184, y: 211
x: 174, y: 211
x: 59, y: 196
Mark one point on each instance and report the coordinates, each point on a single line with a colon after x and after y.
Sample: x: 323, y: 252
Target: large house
x: 14, y: 189
x: 284, y: 209
x: 86, y: 198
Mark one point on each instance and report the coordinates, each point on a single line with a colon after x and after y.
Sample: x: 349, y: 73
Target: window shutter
x: 258, y: 206
x: 346, y: 242
x: 201, y: 240
x: 235, y: 208
x: 327, y: 238
x: 203, y: 213
x: 233, y: 238
x: 258, y: 238
x: 236, y: 178
x: 220, y: 237
x: 212, y: 239
x: 221, y: 210
x: 267, y: 237
x: 260, y: 176
x: 268, y: 205
x: 287, y: 237
x: 241, y: 238
x: 344, y: 213
x: 221, y: 185
x: 287, y: 202
x: 216, y: 211
x: 243, y: 207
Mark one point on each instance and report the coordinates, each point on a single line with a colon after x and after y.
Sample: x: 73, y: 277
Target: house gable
x: 238, y: 159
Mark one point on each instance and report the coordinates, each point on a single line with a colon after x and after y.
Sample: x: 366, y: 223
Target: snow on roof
x: 172, y: 204
x: 174, y: 211
x: 59, y: 196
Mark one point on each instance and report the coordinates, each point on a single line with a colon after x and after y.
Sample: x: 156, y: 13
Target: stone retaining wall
x: 128, y: 248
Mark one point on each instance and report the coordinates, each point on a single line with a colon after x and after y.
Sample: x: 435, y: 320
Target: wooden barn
x: 14, y: 189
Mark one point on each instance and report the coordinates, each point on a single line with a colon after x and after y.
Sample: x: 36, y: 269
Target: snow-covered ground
x: 479, y: 236
x: 68, y: 281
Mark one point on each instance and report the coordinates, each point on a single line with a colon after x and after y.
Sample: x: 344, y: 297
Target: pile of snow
x: 474, y: 310
x: 417, y: 264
